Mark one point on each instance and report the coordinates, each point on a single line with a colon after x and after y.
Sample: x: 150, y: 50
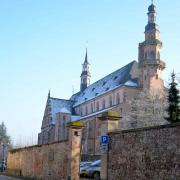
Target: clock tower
x: 149, y: 60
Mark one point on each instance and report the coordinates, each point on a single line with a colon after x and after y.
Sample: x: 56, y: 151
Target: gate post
x: 74, y: 154
x: 109, y: 123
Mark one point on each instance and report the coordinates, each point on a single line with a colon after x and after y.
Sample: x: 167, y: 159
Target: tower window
x: 156, y: 76
x: 145, y: 55
x: 145, y: 77
x: 152, y: 55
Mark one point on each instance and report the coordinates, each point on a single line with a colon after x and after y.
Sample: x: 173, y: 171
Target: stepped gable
x: 57, y: 105
x: 121, y: 77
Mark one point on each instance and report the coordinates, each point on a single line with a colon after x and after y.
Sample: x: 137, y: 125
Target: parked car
x: 93, y: 170
x: 84, y: 165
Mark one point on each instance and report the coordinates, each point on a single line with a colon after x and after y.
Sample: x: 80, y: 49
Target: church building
x: 111, y: 93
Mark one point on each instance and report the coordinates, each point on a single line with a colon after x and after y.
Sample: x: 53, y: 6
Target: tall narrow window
x: 86, y: 110
x: 81, y: 112
x: 103, y: 104
x: 110, y: 100
x: 117, y: 99
x: 92, y: 109
x: 64, y: 129
x: 97, y: 106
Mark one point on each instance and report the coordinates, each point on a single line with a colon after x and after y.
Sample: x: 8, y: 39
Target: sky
x: 42, y: 47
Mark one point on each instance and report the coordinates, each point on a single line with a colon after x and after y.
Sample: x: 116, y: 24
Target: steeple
x: 49, y: 94
x: 85, y: 75
x: 149, y: 61
x: 86, y: 58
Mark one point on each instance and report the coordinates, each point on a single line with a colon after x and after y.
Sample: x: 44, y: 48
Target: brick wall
x: 145, y: 154
x: 42, y: 161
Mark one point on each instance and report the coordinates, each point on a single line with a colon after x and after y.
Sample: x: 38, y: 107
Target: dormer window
x: 104, y: 83
x: 107, y: 88
x: 115, y: 77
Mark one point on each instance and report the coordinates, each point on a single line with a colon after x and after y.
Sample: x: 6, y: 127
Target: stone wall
x: 41, y: 162
x: 55, y: 161
x: 145, y: 154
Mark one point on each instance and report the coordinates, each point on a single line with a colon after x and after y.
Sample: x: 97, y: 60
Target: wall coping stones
x: 34, y: 146
x: 145, y: 128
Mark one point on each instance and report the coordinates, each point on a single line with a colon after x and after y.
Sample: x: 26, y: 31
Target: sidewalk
x: 2, y: 177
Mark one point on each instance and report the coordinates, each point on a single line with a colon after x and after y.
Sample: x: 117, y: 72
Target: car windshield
x: 96, y: 163
x: 83, y: 164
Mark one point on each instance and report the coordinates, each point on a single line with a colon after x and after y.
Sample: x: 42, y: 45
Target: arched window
x: 158, y: 54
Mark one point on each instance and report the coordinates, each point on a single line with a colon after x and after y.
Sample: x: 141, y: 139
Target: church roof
x: 121, y: 77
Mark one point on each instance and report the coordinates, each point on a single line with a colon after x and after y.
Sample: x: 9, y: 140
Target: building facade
x: 111, y: 93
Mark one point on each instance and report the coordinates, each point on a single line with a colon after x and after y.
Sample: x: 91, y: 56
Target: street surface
x: 7, y: 178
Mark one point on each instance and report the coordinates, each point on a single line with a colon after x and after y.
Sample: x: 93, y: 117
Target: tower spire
x: 49, y: 94
x: 86, y: 57
x: 85, y: 75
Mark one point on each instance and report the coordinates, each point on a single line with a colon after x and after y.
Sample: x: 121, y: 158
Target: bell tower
x: 85, y: 75
x: 149, y: 60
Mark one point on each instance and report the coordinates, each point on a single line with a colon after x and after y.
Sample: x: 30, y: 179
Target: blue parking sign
x: 104, y: 139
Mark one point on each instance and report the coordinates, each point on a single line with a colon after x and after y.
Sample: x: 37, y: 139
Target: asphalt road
x: 7, y: 178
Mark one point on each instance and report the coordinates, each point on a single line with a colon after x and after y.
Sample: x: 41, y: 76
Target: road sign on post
x: 104, y: 140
